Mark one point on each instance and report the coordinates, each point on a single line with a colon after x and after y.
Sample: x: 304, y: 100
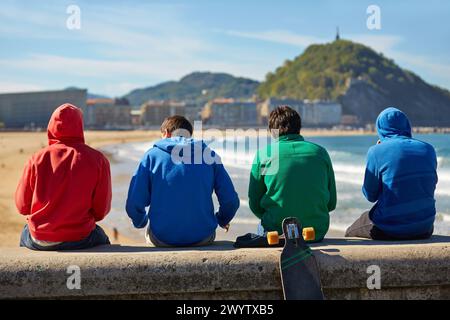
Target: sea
x: 348, y: 154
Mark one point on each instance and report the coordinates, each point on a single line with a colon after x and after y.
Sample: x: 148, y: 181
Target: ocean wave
x: 254, y: 221
x: 345, y: 168
x: 338, y: 227
x: 443, y: 217
x: 442, y: 192
x: 341, y: 154
x: 444, y: 175
x: 129, y: 155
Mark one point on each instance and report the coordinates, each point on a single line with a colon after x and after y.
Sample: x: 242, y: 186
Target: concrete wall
x: 33, y: 109
x: 408, y: 271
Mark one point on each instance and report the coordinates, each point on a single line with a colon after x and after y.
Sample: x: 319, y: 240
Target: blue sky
x: 124, y: 45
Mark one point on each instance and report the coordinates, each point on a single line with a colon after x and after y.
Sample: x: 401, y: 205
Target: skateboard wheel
x: 273, y: 238
x: 309, y: 234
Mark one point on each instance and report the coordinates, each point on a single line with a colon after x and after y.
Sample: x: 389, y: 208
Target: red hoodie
x: 66, y: 187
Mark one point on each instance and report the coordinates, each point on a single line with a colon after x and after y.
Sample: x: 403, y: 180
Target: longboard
x: 300, y: 276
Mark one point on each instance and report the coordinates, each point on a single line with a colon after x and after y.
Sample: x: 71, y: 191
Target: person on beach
x: 65, y: 189
x: 291, y: 178
x: 176, y: 178
x: 401, y: 179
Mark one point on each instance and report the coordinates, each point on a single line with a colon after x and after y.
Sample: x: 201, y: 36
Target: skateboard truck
x: 308, y: 233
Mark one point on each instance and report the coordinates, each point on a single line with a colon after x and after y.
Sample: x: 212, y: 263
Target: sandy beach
x: 17, y: 147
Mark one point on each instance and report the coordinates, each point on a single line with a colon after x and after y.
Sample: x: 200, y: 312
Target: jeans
x: 96, y: 238
x: 151, y: 239
x: 363, y: 227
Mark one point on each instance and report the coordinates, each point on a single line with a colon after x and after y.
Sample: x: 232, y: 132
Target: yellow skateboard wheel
x: 309, y: 234
x: 273, y: 238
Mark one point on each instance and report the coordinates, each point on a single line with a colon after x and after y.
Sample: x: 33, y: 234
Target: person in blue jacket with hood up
x: 401, y: 179
x: 176, y: 179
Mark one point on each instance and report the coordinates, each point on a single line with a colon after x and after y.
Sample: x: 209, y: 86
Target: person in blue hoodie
x: 176, y: 179
x: 401, y: 179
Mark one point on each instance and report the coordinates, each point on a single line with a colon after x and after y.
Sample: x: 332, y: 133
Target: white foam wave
x: 350, y: 179
x: 338, y: 227
x: 129, y: 154
x: 444, y: 175
x: 244, y: 203
x: 345, y: 168
x: 253, y: 221
x: 442, y: 192
x: 340, y: 154
x: 445, y: 217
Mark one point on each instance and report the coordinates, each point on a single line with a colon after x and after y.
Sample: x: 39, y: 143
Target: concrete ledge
x: 412, y: 270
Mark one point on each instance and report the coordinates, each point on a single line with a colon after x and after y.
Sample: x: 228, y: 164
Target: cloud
x: 276, y: 36
x: 122, y: 45
x: 380, y: 43
x: 112, y: 75
x: 11, y: 87
x: 425, y: 66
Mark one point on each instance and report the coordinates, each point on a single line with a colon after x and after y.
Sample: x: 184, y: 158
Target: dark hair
x: 175, y: 123
x: 286, y: 120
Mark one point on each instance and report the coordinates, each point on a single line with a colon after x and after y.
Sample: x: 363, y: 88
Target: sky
x: 123, y: 45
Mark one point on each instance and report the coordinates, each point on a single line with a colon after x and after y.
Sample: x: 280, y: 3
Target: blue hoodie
x: 401, y: 178
x: 178, y: 187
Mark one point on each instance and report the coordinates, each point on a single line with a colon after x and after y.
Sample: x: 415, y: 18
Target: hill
x: 197, y: 86
x: 362, y: 80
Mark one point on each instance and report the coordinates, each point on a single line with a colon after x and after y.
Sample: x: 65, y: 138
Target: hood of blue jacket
x: 393, y: 123
x: 181, y: 143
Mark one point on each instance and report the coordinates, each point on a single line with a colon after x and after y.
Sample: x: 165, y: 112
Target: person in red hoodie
x: 65, y: 189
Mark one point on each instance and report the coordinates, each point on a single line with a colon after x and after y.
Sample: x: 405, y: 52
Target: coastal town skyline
x: 130, y: 45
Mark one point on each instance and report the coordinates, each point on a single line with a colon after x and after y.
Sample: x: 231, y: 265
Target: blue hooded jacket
x: 176, y: 178
x: 401, y: 178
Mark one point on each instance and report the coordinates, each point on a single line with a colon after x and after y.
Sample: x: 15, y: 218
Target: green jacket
x: 295, y: 181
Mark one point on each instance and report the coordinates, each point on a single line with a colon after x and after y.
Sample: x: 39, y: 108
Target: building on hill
x: 229, y: 113
x: 313, y: 113
x: 193, y: 111
x: 350, y: 120
x: 32, y: 110
x: 136, y: 117
x: 153, y: 112
x: 107, y: 114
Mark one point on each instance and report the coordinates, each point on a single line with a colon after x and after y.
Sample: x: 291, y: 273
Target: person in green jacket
x: 292, y: 178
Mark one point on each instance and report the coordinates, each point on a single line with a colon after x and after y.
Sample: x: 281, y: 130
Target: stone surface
x: 409, y: 270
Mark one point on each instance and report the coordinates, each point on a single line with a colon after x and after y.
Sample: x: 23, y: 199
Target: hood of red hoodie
x: 66, y: 125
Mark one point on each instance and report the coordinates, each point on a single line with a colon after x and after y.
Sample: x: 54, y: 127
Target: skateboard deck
x: 299, y: 272
x: 251, y: 240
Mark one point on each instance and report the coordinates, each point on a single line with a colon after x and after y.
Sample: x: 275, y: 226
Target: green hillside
x: 197, y: 86
x: 363, y: 80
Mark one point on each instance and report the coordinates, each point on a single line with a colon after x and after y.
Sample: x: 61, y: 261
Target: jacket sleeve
x: 372, y: 179
x: 101, y: 203
x: 256, y: 188
x: 139, y: 194
x: 331, y: 185
x: 24, y: 191
x: 226, y: 195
